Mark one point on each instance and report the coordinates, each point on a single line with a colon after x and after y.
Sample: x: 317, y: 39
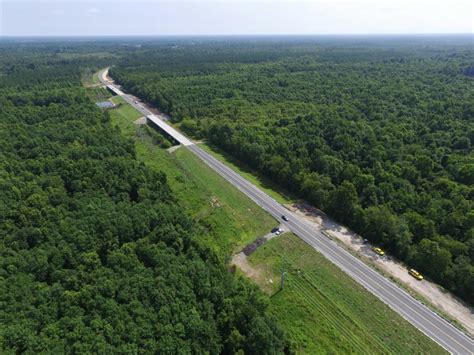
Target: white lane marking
x: 259, y: 196
x: 357, y: 272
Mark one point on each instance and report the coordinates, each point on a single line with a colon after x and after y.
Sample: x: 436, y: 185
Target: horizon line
x: 244, y: 35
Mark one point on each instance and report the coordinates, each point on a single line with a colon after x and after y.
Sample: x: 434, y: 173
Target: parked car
x: 415, y: 274
x: 379, y: 251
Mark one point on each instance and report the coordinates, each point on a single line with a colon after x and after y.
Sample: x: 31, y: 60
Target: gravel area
x: 438, y: 296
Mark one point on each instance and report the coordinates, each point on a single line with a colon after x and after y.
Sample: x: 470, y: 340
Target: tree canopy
x: 96, y: 256
x: 378, y: 132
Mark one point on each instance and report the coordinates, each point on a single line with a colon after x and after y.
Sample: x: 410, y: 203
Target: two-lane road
x: 437, y: 328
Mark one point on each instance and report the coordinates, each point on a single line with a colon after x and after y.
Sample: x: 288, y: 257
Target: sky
x: 230, y: 17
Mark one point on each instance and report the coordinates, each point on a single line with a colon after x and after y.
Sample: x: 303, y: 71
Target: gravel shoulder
x: 435, y: 294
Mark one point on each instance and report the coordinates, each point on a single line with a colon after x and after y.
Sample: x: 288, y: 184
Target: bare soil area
x: 256, y: 274
x: 140, y: 121
x: 259, y: 275
x: 173, y: 148
x: 438, y: 296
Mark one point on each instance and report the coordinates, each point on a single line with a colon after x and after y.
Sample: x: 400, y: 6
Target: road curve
x: 419, y: 315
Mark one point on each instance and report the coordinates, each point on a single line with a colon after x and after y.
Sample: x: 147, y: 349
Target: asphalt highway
x: 423, y: 318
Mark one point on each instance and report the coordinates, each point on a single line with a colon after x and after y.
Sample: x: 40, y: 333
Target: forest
x: 375, y: 131
x: 96, y: 256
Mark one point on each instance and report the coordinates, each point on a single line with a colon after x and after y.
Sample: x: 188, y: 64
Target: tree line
x: 377, y: 133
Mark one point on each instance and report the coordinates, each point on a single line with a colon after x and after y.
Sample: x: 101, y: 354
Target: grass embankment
x: 89, y: 79
x: 250, y: 174
x: 98, y: 93
x: 321, y: 308
x: 324, y: 311
x: 229, y: 220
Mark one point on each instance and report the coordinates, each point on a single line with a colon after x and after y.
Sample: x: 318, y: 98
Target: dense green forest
x: 377, y: 131
x: 96, y: 256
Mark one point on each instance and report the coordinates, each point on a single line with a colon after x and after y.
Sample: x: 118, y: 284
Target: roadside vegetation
x: 90, y: 78
x: 227, y: 219
x: 97, y: 94
x: 257, y: 178
x: 321, y: 309
x: 324, y: 311
x: 377, y: 133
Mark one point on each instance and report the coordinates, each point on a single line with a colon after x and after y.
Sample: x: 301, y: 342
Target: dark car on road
x: 285, y: 218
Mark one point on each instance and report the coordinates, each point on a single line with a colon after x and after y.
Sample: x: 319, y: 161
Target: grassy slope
x: 232, y: 222
x: 87, y: 79
x: 322, y: 309
x: 98, y: 94
x: 250, y: 174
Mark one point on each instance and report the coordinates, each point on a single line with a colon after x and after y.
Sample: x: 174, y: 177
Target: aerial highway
x: 423, y: 318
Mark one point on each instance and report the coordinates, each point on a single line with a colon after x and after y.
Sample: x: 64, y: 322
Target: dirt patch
x: 259, y: 274
x: 173, y: 148
x: 215, y: 203
x: 439, y: 297
x: 256, y: 274
x: 140, y: 121
x: 106, y: 77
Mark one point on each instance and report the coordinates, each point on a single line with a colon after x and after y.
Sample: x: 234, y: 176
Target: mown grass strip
x: 324, y: 310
